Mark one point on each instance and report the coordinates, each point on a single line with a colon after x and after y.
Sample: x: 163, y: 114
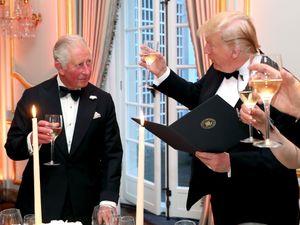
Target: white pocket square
x: 96, y: 115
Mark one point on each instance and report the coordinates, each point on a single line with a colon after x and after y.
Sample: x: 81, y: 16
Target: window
x: 145, y: 21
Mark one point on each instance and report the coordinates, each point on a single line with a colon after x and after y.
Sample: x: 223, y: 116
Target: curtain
x: 198, y: 12
x: 99, y: 19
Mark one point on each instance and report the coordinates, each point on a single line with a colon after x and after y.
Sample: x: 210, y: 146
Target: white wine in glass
x: 266, y: 85
x: 55, y: 123
x: 150, y: 57
x: 249, y: 98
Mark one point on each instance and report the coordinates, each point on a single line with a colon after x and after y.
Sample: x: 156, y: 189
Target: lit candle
x: 140, y: 179
x: 36, y: 169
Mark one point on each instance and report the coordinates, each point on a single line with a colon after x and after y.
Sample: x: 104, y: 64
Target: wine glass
x: 11, y: 216
x: 266, y: 85
x: 249, y: 98
x: 29, y: 219
x: 105, y: 212
x: 150, y: 57
x: 185, y: 222
x: 55, y: 123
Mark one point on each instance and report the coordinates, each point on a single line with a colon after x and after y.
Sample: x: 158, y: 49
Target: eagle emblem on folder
x: 208, y: 123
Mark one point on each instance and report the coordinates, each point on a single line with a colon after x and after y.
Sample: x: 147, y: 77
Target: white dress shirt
x: 69, y: 110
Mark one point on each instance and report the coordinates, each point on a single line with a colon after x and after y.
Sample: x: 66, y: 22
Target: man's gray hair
x: 61, y: 50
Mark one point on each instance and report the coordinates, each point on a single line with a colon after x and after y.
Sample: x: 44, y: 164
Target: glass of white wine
x: 249, y: 98
x: 150, y: 57
x: 266, y: 85
x: 55, y: 123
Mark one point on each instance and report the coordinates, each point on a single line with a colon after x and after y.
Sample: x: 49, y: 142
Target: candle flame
x: 33, y: 110
x: 142, y: 118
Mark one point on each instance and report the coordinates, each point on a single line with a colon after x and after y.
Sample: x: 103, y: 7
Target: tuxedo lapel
x: 50, y: 95
x: 212, y: 80
x: 86, y: 110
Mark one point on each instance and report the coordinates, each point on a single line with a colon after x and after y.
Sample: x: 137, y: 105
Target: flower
x: 93, y: 97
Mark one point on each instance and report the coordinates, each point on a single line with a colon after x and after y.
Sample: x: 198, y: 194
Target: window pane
x: 132, y: 85
x: 181, y: 12
x: 132, y: 127
x: 149, y: 164
x: 185, y: 50
x: 188, y: 74
x: 132, y: 161
x: 132, y: 143
x: 132, y: 158
x: 147, y: 12
x: 131, y: 18
x: 132, y: 48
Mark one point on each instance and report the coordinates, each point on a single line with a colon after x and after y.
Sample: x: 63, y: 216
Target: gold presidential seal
x: 208, y: 123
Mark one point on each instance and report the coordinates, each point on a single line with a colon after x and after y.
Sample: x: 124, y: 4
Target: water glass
x: 185, y: 222
x: 103, y: 212
x: 29, y: 219
x: 11, y: 216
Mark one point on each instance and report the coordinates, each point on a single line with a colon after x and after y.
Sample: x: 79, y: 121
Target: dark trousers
x: 69, y: 215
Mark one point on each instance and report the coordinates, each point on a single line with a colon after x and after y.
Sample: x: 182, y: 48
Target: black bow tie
x: 75, y: 94
x: 234, y: 74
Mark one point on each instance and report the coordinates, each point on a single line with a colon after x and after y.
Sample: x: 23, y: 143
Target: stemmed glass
x: 105, y: 212
x: 126, y: 220
x: 150, y: 57
x: 11, y: 216
x: 185, y: 222
x: 266, y: 85
x: 249, y: 98
x: 29, y: 219
x: 55, y: 123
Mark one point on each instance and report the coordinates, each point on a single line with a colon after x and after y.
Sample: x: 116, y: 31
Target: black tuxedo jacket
x: 89, y: 173
x: 260, y: 188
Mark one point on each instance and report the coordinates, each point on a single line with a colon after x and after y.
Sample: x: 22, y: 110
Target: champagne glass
x: 266, y: 85
x: 150, y: 57
x: 249, y: 98
x: 55, y: 123
x: 11, y: 216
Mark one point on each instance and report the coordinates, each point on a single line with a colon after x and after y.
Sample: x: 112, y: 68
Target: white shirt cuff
x: 158, y: 80
x: 229, y: 173
x: 29, y: 146
x: 108, y: 203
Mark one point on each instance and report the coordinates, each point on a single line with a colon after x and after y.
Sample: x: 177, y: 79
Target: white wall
x: 278, y: 29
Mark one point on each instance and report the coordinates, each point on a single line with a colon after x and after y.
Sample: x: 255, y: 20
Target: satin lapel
x: 86, y: 110
x: 212, y: 81
x: 51, y: 105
